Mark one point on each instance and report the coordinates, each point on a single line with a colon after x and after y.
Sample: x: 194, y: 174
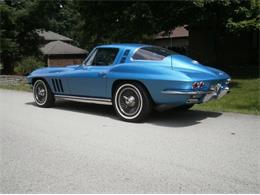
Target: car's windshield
x: 152, y: 53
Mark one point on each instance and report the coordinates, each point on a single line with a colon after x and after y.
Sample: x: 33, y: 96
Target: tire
x: 184, y: 107
x: 131, y: 102
x: 42, y: 94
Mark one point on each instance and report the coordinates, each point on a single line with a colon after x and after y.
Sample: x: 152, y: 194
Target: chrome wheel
x: 128, y: 101
x: 40, y: 92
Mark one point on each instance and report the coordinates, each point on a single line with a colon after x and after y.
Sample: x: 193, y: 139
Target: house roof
x: 59, y: 47
x: 178, y: 32
x: 52, y: 36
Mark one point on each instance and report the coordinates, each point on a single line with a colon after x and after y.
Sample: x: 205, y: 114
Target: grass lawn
x: 19, y: 87
x: 243, y: 98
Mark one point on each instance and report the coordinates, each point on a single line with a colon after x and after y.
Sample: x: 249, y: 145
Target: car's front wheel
x: 42, y: 94
x: 131, y: 102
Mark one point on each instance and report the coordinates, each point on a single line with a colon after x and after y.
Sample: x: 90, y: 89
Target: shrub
x: 1, y: 67
x: 27, y: 65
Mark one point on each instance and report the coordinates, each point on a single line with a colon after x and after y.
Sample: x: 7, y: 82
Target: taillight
x: 197, y: 85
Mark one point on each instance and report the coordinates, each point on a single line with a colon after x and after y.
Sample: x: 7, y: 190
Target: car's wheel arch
x: 38, y: 78
x: 44, y: 80
x: 118, y: 82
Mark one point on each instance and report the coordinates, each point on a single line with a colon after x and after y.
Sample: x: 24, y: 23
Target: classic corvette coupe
x: 134, y: 78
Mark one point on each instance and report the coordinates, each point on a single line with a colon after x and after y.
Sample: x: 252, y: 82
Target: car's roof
x: 124, y: 45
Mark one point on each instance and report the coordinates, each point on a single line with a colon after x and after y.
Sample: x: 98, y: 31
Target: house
x: 48, y: 36
x: 176, y: 39
x: 59, y: 53
x: 58, y: 49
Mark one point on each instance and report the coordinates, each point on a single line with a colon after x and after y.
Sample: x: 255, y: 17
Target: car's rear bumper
x: 199, y: 96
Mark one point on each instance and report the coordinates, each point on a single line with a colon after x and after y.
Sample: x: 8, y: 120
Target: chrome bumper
x: 222, y: 91
x: 205, y: 95
x: 170, y: 92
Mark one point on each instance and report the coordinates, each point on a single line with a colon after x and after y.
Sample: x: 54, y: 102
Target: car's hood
x: 54, y: 69
x: 194, y: 69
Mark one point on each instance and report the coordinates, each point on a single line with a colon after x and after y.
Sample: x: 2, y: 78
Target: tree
x: 19, y: 21
x: 128, y: 21
x: 8, y: 45
x: 228, y: 15
x: 98, y: 22
x: 107, y: 22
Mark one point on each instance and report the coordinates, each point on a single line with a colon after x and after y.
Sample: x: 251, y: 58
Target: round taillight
x: 195, y: 85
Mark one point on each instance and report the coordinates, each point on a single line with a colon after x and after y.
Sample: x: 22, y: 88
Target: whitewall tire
x: 131, y: 102
x: 42, y: 94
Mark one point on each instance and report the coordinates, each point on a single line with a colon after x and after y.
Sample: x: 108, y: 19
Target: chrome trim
x: 209, y: 97
x: 171, y: 92
x: 103, y: 101
x: 228, y: 81
x: 223, y: 92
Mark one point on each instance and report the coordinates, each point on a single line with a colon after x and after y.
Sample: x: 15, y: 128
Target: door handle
x: 102, y: 74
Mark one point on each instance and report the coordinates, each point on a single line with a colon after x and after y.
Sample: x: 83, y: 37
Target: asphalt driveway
x: 83, y: 148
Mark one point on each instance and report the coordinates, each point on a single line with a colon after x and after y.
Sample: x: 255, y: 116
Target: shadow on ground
x: 168, y: 118
x: 177, y: 118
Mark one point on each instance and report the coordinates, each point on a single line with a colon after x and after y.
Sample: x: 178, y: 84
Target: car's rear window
x: 152, y: 53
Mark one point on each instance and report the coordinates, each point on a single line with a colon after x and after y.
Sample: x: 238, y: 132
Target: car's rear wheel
x: 131, y: 102
x: 42, y: 94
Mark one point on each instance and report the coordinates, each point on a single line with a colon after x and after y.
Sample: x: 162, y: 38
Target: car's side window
x: 151, y: 53
x: 103, y: 57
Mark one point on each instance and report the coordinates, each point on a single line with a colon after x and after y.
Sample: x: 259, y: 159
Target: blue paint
x: 174, y: 72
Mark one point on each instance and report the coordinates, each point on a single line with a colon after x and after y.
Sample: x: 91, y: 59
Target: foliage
x: 131, y: 21
x: 228, y: 15
x: 8, y: 44
x: 19, y: 21
x: 94, y: 22
x: 107, y: 22
x: 66, y: 21
x: 27, y: 65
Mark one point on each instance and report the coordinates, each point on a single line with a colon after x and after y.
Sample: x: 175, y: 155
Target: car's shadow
x: 168, y: 118
x: 178, y: 118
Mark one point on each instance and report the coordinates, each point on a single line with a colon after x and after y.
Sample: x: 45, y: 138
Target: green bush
x: 27, y: 65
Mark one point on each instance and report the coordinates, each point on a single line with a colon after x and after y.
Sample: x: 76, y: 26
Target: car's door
x: 90, y: 78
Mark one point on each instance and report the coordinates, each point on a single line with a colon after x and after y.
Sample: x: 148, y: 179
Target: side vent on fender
x: 57, y: 85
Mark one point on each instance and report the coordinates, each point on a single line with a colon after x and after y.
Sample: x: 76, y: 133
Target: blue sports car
x: 134, y: 78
